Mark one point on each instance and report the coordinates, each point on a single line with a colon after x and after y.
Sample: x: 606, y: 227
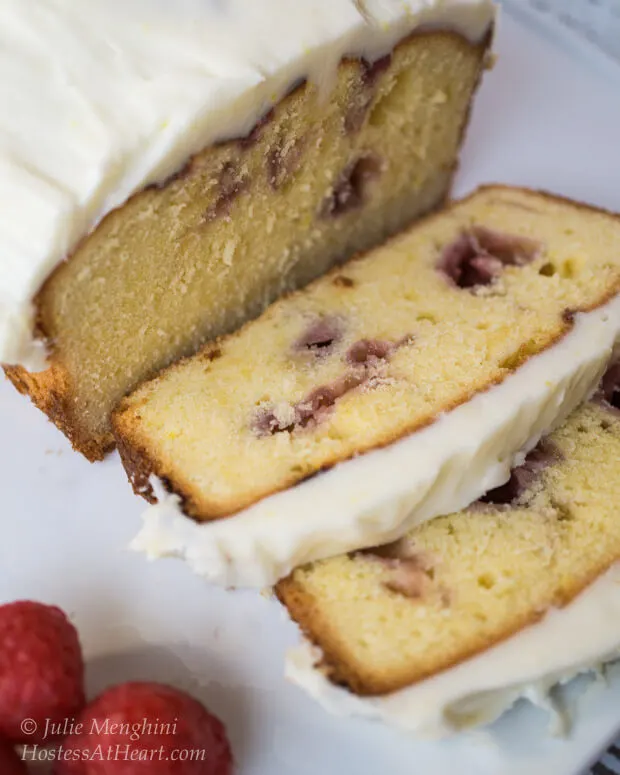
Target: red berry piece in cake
x: 310, y: 411
x: 316, y: 406
x: 275, y: 419
x: 478, y: 256
x: 523, y: 478
x: 41, y: 671
x: 155, y: 729
x: 610, y: 386
x: 351, y: 188
x: 366, y: 356
x: 10, y: 763
x: 283, y: 159
x: 363, y: 96
x: 320, y: 336
x: 412, y: 568
x: 367, y: 352
x: 410, y: 577
x: 231, y: 182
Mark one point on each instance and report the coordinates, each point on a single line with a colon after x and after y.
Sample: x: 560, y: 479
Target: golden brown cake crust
x: 136, y: 462
x: 141, y: 462
x: 51, y: 390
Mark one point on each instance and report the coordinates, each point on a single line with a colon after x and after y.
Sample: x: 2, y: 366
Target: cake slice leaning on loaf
x: 448, y: 627
x: 396, y: 389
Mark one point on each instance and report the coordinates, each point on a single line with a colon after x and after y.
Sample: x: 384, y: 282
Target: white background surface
x: 593, y: 22
x: 543, y: 119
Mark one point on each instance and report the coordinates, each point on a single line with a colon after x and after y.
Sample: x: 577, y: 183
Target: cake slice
x: 395, y: 389
x: 172, y: 168
x: 446, y: 628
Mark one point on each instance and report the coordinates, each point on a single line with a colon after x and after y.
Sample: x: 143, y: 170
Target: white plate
x: 543, y: 119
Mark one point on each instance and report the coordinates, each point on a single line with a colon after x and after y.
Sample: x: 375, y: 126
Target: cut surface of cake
x: 446, y: 628
x: 173, y: 168
x: 397, y: 388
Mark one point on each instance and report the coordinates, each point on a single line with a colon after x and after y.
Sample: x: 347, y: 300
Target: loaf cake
x: 396, y: 388
x: 173, y: 167
x: 447, y: 627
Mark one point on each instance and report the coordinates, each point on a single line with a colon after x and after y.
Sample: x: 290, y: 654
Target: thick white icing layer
x: 378, y: 496
x: 568, y: 641
x: 100, y: 99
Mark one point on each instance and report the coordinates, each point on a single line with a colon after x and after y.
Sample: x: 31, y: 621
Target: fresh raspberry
x: 173, y: 734
x: 41, y: 672
x: 10, y: 763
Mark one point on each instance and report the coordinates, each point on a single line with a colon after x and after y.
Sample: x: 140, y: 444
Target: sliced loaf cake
x: 392, y: 390
x: 523, y: 578
x: 183, y: 164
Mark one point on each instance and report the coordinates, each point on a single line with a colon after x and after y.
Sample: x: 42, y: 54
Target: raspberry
x: 41, y: 671
x: 10, y: 763
x: 173, y: 734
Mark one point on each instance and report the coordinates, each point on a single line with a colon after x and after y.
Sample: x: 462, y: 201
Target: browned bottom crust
x: 50, y: 392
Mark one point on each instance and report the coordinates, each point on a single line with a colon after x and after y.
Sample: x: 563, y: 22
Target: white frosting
x: 567, y: 641
x: 376, y: 497
x: 104, y: 97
